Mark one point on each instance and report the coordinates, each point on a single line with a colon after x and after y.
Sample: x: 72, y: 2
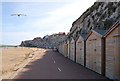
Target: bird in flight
x: 18, y: 15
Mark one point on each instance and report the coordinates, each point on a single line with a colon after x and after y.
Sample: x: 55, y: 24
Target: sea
x: 8, y: 45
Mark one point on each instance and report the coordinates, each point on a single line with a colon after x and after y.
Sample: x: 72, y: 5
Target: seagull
x: 18, y: 15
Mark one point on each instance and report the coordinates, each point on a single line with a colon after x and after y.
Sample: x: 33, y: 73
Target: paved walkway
x: 52, y: 65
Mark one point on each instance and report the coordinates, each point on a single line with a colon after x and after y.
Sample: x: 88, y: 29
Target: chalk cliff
x: 45, y: 42
x: 101, y: 15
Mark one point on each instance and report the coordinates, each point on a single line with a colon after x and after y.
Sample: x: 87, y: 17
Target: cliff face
x: 102, y: 15
x: 45, y: 42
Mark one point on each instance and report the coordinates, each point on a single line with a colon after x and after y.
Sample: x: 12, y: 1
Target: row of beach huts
x: 99, y: 51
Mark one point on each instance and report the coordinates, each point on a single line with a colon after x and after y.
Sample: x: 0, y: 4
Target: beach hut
x: 60, y: 48
x: 72, y: 49
x: 112, y: 53
x: 65, y: 49
x: 80, y: 49
x: 68, y: 50
x: 95, y: 57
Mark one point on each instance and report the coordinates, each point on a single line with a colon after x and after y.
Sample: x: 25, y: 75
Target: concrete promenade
x: 52, y: 65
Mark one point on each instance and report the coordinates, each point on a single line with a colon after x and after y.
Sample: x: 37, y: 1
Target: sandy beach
x: 14, y: 57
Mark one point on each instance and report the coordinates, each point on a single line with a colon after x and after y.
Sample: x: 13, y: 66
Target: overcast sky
x: 43, y: 17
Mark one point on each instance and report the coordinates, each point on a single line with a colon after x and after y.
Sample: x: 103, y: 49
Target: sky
x: 44, y: 17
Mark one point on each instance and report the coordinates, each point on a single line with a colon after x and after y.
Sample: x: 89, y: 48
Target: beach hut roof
x: 82, y: 36
x: 99, y: 32
x: 112, y: 28
x: 96, y: 31
x: 74, y: 38
x: 68, y: 40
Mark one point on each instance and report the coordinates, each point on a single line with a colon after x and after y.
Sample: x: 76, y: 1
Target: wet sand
x: 14, y: 57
